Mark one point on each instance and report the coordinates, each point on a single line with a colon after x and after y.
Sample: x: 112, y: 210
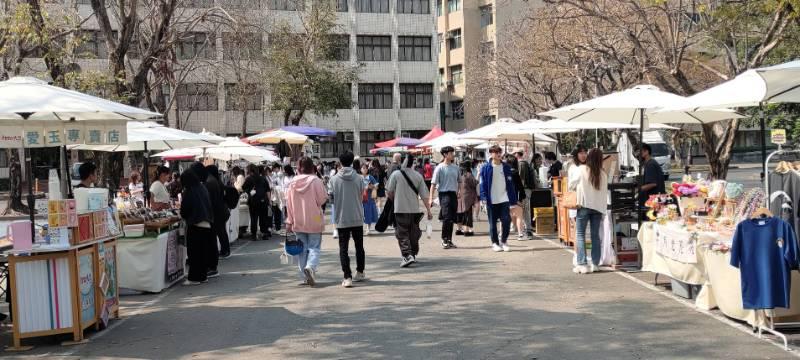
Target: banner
x: 676, y: 244
x: 42, y: 134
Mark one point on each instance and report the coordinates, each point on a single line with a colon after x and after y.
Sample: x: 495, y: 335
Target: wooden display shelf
x: 71, y: 279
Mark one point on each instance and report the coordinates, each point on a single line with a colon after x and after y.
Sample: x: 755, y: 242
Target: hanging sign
x: 34, y: 137
x: 778, y: 136
x: 116, y: 134
x: 74, y: 133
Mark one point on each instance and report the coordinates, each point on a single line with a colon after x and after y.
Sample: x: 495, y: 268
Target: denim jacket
x: 486, y: 183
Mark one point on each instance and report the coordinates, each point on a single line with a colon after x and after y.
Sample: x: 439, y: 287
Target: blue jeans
x: 500, y: 212
x: 309, y: 258
x: 593, y: 219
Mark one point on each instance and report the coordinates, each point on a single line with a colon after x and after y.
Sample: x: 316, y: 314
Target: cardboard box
x: 627, y: 244
x: 544, y: 211
x: 85, y: 230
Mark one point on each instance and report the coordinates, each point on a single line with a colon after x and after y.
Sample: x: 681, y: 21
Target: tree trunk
x: 717, y: 143
x: 15, y: 176
x: 244, y: 123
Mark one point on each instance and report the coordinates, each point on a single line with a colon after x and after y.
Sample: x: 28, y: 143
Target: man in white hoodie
x: 348, y: 187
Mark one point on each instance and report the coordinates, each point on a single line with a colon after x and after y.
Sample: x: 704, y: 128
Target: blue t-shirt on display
x: 765, y: 251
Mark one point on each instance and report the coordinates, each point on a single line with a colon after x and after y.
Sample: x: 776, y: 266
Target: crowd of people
x: 362, y: 193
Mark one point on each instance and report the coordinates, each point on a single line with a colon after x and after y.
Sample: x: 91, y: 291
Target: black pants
x: 448, y: 201
x: 277, y: 217
x: 221, y: 231
x: 408, y: 233
x: 344, y: 247
x: 198, y: 243
x: 258, y: 218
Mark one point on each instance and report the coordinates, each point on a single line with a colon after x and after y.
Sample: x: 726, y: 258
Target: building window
x: 286, y: 5
x: 487, y: 18
x: 487, y: 119
x: 414, y: 48
x: 416, y: 96
x: 454, y: 39
x: 439, y: 8
x: 457, y: 74
x: 241, y: 97
x: 197, y: 97
x: 453, y: 6
x: 374, y: 48
x: 487, y: 49
x: 375, y: 96
x: 372, y: 6
x: 196, y: 44
x: 441, y: 75
x: 413, y: 7
x: 340, y: 48
x: 245, y: 46
x: 93, y: 45
x: 341, y: 5
x: 457, y: 109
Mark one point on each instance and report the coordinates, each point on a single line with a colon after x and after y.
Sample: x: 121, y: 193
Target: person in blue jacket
x: 498, y: 192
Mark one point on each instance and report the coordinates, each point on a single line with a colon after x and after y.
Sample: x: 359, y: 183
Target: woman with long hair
x: 305, y: 195
x: 199, y: 217
x: 370, y: 208
x: 467, y: 197
x: 136, y: 187
x: 379, y: 173
x: 591, y: 188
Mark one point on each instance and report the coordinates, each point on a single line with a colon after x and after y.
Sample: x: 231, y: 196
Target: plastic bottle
x: 429, y: 229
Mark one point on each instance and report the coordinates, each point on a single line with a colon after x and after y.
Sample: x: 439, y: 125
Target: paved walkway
x: 467, y: 303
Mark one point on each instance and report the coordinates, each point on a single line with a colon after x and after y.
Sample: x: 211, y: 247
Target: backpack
x: 231, y: 196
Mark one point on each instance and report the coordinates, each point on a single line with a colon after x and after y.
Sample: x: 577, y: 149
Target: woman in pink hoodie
x: 305, y: 196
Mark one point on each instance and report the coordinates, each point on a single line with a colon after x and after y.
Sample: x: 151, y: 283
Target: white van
x: 660, y: 150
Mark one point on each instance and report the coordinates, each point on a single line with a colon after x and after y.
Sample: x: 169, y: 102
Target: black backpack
x: 231, y: 197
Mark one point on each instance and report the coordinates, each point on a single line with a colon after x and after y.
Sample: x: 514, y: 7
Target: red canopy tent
x: 433, y: 134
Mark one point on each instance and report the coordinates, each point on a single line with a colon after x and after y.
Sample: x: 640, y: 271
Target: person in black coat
x: 221, y: 212
x: 257, y: 189
x: 197, y: 213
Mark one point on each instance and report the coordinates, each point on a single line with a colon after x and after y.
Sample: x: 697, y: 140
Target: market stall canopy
x: 27, y: 98
x: 767, y: 85
x: 210, y: 134
x: 504, y: 129
x: 275, y: 136
x: 450, y: 139
x: 570, y: 126
x: 433, y: 134
x: 154, y: 136
x: 638, y: 106
x: 401, y: 141
x: 389, y: 150
x: 309, y: 130
x: 228, y: 150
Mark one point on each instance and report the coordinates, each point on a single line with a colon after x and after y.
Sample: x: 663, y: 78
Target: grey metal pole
x: 763, y: 135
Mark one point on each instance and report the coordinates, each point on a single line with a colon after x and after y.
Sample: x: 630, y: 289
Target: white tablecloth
x: 142, y: 263
x: 690, y: 273
x: 233, y: 226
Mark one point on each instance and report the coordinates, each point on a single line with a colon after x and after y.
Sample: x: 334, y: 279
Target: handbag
x: 386, y: 218
x: 292, y: 246
x: 365, y: 196
x: 374, y: 193
x: 570, y: 200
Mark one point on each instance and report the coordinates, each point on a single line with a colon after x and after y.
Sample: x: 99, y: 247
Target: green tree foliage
x: 303, y: 76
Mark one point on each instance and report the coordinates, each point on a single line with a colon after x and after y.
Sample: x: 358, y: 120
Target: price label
x: 778, y: 136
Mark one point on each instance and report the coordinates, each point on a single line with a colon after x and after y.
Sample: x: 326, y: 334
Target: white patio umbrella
x: 755, y: 87
x: 275, y: 136
x: 503, y: 129
x: 26, y: 99
x: 570, y: 126
x: 228, y: 150
x: 450, y: 139
x: 147, y: 136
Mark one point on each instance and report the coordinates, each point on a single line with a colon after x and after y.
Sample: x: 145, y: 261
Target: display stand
x: 566, y: 225
x: 770, y: 327
x: 152, y: 263
x: 59, y: 291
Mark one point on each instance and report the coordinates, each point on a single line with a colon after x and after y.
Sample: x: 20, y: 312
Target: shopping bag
x: 570, y: 200
x: 386, y: 218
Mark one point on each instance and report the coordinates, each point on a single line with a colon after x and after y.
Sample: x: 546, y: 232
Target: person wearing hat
x: 445, y: 180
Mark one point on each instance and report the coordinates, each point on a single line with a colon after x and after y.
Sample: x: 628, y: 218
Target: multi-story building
x: 390, y: 41
x: 470, y: 33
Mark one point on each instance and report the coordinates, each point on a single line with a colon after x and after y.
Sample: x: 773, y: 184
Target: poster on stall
x: 108, y: 275
x: 86, y: 286
x: 676, y: 244
x: 174, y: 255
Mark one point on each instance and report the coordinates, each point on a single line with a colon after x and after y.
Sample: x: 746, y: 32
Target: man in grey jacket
x: 348, y: 187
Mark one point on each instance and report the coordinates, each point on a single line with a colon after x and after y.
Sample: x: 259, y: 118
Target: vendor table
x: 721, y: 282
x: 63, y: 291
x: 151, y: 263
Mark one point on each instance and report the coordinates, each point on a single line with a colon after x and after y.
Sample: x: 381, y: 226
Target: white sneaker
x: 580, y: 269
x: 593, y: 268
x: 367, y: 232
x: 335, y: 234
x: 496, y: 248
x: 521, y: 236
x: 359, y: 277
x: 310, y: 276
x: 348, y: 283
x: 505, y: 247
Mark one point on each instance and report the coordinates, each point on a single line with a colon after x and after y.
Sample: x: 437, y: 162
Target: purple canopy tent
x: 309, y: 130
